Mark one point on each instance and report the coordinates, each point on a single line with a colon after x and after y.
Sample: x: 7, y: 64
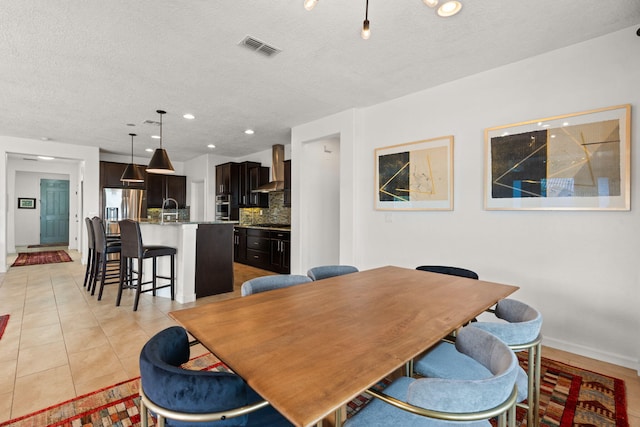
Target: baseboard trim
x: 604, y: 356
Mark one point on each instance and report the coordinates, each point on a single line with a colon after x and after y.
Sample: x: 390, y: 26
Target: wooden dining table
x: 311, y: 348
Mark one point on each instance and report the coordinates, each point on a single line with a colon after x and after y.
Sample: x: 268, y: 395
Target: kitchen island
x: 204, y: 259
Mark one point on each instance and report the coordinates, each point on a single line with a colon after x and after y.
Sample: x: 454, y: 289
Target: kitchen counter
x: 144, y: 221
x: 204, y: 258
x: 277, y: 227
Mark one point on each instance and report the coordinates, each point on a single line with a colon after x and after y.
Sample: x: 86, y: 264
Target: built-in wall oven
x: 223, y: 207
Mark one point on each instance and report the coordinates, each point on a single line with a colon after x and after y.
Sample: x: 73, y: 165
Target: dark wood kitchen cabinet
x: 160, y: 187
x: 263, y: 248
x: 227, y: 179
x: 240, y: 245
x: 287, y: 183
x: 280, y: 251
x: 252, y: 176
x: 258, y: 248
x: 214, y: 259
x: 111, y: 172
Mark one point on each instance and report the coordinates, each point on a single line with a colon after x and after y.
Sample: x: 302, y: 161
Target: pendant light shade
x: 132, y: 173
x: 160, y: 162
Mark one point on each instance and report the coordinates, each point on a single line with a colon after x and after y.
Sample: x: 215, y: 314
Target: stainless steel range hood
x: 277, y: 171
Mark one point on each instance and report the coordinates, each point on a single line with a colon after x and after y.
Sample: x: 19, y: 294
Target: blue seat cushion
x: 380, y: 414
x: 444, y: 361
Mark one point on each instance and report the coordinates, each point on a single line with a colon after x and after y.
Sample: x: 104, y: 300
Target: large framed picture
x: 26, y: 203
x: 415, y: 176
x: 577, y: 161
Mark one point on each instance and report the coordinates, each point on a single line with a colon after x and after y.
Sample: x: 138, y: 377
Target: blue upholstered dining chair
x: 326, y: 271
x: 181, y: 397
x: 452, y: 271
x: 438, y: 402
x: 520, y: 330
x: 269, y: 283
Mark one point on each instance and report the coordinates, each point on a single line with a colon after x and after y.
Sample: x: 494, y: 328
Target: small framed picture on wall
x: 26, y: 203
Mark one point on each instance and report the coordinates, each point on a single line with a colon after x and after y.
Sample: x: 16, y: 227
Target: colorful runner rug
x: 569, y: 397
x: 4, y: 319
x: 45, y: 257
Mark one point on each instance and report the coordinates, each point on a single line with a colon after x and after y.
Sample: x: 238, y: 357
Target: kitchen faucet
x: 169, y: 214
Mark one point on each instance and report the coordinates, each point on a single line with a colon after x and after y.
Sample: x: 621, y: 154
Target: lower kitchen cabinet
x: 280, y: 251
x: 263, y: 248
x: 240, y: 245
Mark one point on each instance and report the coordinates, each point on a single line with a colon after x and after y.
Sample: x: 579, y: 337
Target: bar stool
x: 104, y: 248
x: 133, y: 249
x: 91, y: 255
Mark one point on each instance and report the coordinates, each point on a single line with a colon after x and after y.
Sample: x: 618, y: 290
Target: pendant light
x: 132, y: 173
x: 366, y: 33
x: 160, y: 162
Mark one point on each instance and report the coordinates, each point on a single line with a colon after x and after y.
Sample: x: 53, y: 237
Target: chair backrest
x: 452, y: 271
x: 90, y: 234
x: 168, y: 385
x: 471, y: 395
x: 326, y: 271
x: 130, y: 239
x: 99, y: 234
x: 269, y: 283
x: 524, y: 322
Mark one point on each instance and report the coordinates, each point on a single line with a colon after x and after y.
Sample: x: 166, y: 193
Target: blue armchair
x: 185, y: 398
x: 438, y: 401
x: 520, y: 330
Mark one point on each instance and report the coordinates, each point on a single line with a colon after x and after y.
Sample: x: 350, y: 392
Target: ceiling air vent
x: 151, y: 122
x: 259, y: 46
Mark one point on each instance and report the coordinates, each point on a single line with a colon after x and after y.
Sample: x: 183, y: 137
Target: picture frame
x: 415, y: 176
x: 26, y: 203
x: 578, y: 161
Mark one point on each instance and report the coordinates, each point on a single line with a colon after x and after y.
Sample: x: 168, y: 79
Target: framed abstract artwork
x: 415, y: 176
x: 577, y: 161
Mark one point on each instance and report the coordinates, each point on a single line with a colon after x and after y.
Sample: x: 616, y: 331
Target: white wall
x: 579, y: 268
x: 321, y: 223
x: 82, y: 165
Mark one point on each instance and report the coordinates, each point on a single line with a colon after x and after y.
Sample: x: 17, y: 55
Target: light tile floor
x: 61, y: 342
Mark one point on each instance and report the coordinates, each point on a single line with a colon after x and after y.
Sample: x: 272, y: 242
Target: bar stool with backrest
x: 91, y: 255
x: 134, y: 249
x: 106, y: 268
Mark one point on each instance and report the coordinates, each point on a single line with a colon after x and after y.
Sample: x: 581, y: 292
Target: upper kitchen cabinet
x: 111, y: 172
x: 252, y: 176
x: 160, y: 187
x: 287, y: 183
x: 227, y: 179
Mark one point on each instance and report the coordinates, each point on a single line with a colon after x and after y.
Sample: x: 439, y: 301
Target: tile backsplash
x: 276, y: 213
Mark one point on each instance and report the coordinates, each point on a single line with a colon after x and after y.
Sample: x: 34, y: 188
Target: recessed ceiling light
x: 249, y: 132
x: 44, y: 138
x: 565, y: 124
x: 189, y: 116
x: 46, y: 158
x: 211, y: 146
x: 449, y: 8
x: 149, y: 150
x: 155, y: 136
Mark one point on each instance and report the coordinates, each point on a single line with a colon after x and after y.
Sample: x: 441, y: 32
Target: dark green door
x: 54, y: 211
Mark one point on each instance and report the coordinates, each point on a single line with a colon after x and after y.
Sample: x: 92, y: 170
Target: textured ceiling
x: 80, y: 71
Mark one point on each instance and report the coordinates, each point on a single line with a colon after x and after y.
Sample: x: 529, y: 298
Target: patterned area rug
x: 4, y: 319
x: 45, y: 257
x: 569, y: 397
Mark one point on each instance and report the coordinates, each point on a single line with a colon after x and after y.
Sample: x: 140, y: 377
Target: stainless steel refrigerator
x: 123, y: 203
